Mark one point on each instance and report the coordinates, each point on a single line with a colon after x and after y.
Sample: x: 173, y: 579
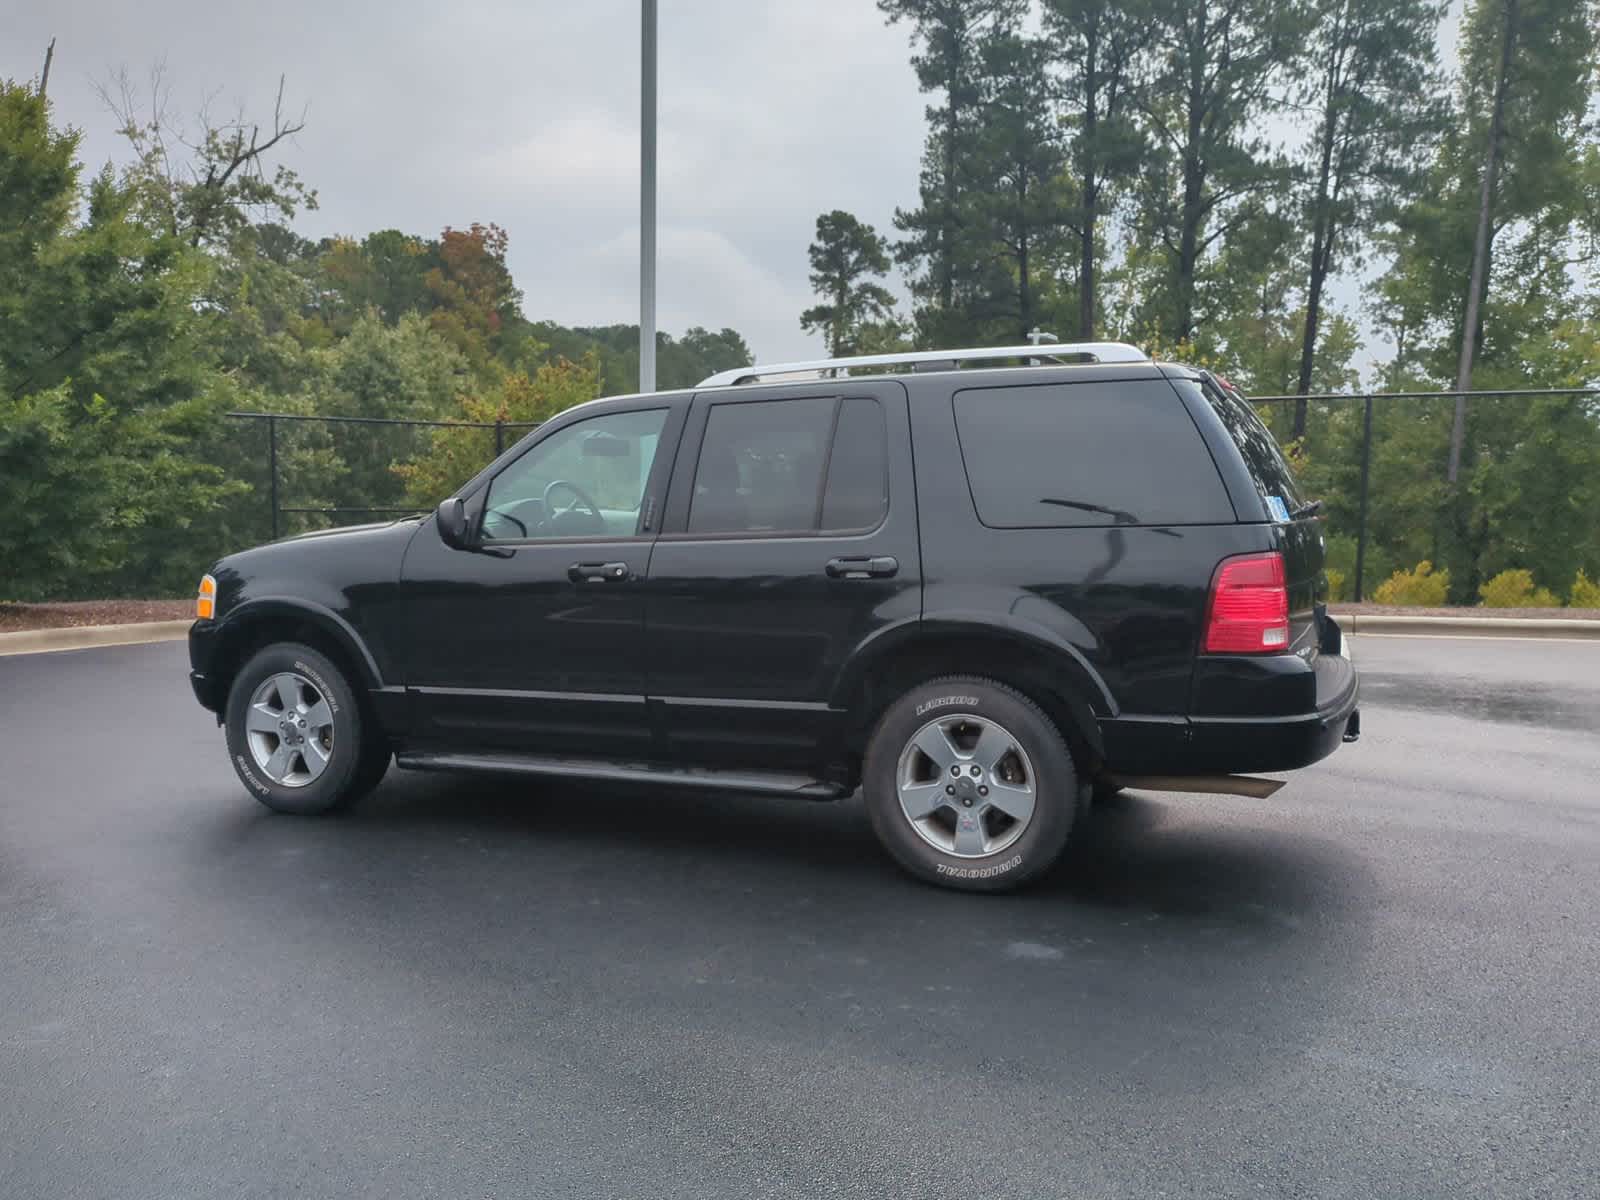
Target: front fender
x: 215, y: 647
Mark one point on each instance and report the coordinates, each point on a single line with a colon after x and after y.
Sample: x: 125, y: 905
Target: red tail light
x: 1249, y: 608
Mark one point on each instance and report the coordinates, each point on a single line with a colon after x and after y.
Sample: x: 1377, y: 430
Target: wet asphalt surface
x: 1385, y: 981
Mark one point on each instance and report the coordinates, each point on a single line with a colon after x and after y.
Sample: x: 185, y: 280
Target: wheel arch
x: 259, y: 623
x: 1052, y: 673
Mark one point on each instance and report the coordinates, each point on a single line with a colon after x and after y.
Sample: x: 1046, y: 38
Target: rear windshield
x: 1059, y: 455
x: 1268, y: 468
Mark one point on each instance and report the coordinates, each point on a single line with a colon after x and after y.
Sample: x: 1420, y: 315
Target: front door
x: 533, y: 639
x: 790, y: 539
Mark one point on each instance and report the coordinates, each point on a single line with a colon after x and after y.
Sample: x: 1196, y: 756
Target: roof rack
x: 938, y: 360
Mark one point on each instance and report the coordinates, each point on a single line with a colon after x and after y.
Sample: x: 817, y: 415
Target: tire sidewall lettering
x: 312, y: 674
x: 249, y: 776
x: 950, y: 872
x: 928, y: 706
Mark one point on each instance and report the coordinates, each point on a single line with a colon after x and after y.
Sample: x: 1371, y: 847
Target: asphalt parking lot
x: 1381, y: 982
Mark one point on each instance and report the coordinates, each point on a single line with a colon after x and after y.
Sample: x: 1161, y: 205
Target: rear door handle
x: 882, y: 567
x: 612, y: 572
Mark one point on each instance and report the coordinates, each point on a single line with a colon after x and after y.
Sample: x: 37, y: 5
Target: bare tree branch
x: 44, y: 78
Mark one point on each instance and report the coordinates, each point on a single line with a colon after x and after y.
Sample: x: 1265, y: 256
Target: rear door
x: 790, y: 538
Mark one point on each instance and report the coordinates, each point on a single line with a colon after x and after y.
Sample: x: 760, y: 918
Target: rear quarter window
x: 1262, y: 456
x: 1086, y: 454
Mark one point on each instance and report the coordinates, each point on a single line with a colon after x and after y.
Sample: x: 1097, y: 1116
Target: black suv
x: 979, y: 593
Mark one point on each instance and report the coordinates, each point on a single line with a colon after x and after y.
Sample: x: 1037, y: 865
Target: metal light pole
x: 647, y: 198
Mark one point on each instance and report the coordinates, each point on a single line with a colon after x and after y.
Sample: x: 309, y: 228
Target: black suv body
x: 806, y: 587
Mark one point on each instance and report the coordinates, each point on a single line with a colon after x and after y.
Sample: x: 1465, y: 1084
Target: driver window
x: 586, y: 480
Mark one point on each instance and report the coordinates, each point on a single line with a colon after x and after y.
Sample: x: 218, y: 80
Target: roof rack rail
x: 1052, y: 352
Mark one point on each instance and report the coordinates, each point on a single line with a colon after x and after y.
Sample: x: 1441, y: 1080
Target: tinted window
x: 760, y: 466
x: 585, y: 480
x: 856, y: 495
x: 1271, y: 472
x: 1087, y: 454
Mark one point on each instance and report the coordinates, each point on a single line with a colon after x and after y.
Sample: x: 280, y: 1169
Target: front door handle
x: 883, y: 566
x: 612, y: 572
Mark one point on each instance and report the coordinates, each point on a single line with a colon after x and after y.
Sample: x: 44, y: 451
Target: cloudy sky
x: 421, y: 114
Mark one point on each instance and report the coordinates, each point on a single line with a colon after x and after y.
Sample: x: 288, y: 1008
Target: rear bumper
x: 1246, y: 728
x: 1241, y: 745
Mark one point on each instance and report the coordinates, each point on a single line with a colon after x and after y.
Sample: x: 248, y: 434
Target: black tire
x: 1057, y: 794
x: 353, y: 765
x: 376, y: 756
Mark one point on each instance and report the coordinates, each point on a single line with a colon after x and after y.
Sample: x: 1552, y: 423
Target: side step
x: 770, y: 783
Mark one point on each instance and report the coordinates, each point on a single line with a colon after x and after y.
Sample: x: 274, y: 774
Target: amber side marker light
x: 206, y: 602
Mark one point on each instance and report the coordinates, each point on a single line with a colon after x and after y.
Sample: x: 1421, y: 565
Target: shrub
x: 1515, y: 589
x: 1585, y: 592
x: 1336, y: 584
x: 1423, y: 587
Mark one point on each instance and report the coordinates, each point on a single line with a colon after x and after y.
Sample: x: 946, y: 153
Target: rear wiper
x: 1309, y: 509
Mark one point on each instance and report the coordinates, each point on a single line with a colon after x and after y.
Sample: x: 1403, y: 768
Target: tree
x: 473, y: 295
x: 1217, y: 64
x: 103, y: 380
x: 1014, y: 214
x: 951, y: 34
x: 207, y: 187
x: 1098, y: 47
x: 845, y: 253
x: 1528, y: 68
x: 452, y: 456
x: 1375, y: 90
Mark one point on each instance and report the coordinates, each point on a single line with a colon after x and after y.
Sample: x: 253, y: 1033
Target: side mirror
x: 452, y: 517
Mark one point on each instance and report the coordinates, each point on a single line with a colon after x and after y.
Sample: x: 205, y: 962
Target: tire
x: 966, y: 840
x: 299, y: 762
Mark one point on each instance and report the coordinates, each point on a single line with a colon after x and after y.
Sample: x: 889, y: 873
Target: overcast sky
x: 421, y: 114
x: 527, y: 114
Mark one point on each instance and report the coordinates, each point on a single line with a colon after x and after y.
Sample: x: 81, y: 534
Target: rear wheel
x: 969, y: 784
x: 295, y: 733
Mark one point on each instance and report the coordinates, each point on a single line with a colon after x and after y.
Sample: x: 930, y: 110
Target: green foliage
x: 138, y: 308
x: 1515, y: 589
x: 1421, y: 587
x: 452, y: 456
x: 1336, y: 584
x: 1585, y: 591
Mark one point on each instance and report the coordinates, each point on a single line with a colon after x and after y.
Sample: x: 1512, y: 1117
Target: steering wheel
x: 579, y: 496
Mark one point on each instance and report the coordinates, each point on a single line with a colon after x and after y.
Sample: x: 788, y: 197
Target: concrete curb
x: 1508, y: 627
x: 80, y: 637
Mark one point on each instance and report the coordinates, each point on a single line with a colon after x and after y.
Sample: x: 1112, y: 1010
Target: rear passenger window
x: 856, y: 495
x: 1072, y: 454
x: 791, y: 466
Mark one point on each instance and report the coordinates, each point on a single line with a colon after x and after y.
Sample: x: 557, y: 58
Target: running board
x: 769, y: 783
x: 1220, y: 785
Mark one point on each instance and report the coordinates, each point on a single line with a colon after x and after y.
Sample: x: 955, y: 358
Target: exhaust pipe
x: 1216, y: 785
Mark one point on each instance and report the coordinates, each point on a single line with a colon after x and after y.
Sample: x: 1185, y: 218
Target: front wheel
x: 969, y: 784
x: 295, y: 733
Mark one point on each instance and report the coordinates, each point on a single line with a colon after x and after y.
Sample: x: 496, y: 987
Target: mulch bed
x: 64, y: 614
